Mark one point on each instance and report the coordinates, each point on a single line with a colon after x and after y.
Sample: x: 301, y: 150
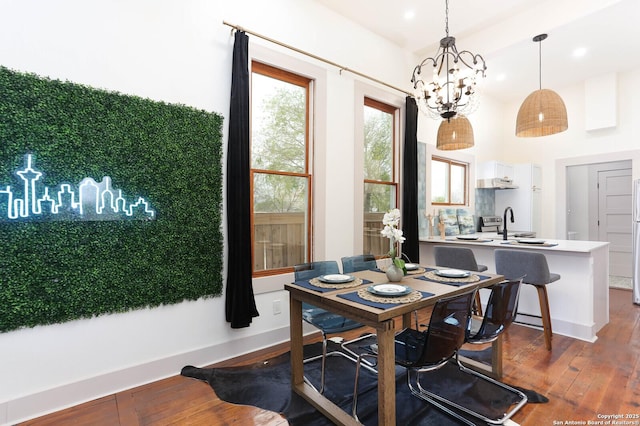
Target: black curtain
x: 240, y: 303
x: 411, y: 246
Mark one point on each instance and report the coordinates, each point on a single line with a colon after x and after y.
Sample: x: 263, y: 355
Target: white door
x: 614, y: 218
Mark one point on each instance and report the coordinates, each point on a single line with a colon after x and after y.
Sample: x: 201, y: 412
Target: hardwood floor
x: 583, y: 382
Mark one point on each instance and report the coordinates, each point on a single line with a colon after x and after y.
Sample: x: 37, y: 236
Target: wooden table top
x: 371, y: 315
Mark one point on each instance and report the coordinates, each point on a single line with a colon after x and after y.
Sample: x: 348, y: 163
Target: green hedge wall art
x: 108, y: 202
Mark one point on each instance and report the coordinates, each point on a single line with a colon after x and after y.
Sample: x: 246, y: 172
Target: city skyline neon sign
x: 91, y: 201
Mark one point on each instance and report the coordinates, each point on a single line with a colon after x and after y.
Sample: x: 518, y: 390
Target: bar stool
x: 533, y: 266
x: 460, y: 258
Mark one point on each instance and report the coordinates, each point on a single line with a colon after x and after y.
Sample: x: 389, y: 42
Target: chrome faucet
x: 504, y: 231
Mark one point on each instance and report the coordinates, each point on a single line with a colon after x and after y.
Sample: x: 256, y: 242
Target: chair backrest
x: 448, y: 329
x: 499, y: 312
x: 521, y: 263
x: 358, y: 263
x: 455, y: 257
x: 306, y: 271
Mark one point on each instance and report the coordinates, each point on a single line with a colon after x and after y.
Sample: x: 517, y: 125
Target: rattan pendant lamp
x: 543, y: 112
x: 455, y: 133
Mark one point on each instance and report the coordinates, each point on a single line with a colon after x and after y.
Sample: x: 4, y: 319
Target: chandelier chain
x: 446, y: 18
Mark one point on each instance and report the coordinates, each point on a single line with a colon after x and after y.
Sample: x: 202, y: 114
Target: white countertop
x: 497, y: 241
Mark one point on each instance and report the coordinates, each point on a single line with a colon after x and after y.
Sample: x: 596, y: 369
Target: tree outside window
x: 380, y: 187
x: 280, y: 172
x: 448, y: 182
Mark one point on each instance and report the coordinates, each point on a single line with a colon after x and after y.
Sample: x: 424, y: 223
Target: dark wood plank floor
x: 582, y: 380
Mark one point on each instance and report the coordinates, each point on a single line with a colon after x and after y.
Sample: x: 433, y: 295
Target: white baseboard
x: 565, y: 328
x: 71, y: 394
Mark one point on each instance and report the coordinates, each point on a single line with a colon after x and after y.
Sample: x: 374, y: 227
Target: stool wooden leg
x: 546, y: 317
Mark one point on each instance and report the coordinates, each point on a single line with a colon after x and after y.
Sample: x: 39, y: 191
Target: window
x: 280, y: 172
x: 380, y: 186
x: 448, y: 182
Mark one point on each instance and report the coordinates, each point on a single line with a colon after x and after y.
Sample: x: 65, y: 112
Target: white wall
x: 575, y: 146
x: 177, y: 52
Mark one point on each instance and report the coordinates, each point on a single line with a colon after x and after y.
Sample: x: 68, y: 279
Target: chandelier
x: 448, y: 90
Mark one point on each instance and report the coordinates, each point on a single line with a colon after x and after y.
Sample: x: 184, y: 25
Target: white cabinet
x: 495, y: 169
x: 526, y: 201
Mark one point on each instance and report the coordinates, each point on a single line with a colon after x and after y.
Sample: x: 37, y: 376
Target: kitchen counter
x: 578, y: 302
x: 494, y: 240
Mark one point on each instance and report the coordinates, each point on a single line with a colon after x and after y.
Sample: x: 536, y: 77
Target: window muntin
x: 448, y: 182
x: 280, y: 172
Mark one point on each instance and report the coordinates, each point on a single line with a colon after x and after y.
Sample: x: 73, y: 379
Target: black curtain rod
x: 295, y: 49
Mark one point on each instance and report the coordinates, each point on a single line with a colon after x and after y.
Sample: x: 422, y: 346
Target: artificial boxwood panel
x: 56, y: 271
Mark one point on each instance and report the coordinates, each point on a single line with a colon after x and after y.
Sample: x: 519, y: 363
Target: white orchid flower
x: 391, y: 221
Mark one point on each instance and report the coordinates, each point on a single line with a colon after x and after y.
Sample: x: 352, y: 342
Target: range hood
x: 496, y: 183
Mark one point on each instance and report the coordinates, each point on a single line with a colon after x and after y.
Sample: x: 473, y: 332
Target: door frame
x: 561, y: 180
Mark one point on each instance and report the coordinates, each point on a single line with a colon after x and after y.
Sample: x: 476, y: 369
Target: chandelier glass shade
x: 543, y: 112
x: 446, y: 84
x: 455, y: 133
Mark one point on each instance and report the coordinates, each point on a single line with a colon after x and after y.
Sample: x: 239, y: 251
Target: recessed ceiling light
x: 409, y: 15
x: 579, y: 52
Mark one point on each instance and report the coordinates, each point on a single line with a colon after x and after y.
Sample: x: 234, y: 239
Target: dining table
x: 359, y: 300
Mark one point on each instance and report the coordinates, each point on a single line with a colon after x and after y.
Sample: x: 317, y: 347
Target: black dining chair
x: 460, y: 258
x: 422, y: 351
x: 499, y: 315
x: 325, y: 321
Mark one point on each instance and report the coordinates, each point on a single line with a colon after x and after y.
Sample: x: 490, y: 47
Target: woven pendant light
x: 543, y: 112
x: 455, y: 133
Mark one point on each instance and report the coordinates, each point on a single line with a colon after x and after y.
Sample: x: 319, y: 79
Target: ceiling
x: 501, y: 31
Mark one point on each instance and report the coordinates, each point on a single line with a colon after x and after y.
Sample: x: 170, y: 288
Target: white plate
x: 452, y: 273
x: 411, y: 266
x: 530, y: 241
x: 389, y: 289
x: 336, y: 278
x: 467, y: 237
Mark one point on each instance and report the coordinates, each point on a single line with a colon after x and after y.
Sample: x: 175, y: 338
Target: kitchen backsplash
x: 485, y: 204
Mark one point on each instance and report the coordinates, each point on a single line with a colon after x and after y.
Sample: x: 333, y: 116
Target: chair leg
x: 354, y: 355
x: 546, y: 317
x: 419, y: 392
x: 324, y: 361
x: 477, y: 305
x: 359, y: 361
x: 422, y: 392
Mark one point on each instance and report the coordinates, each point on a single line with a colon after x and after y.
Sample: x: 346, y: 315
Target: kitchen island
x: 578, y: 302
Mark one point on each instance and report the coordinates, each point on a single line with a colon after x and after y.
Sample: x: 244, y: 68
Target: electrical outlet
x: 277, y: 307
